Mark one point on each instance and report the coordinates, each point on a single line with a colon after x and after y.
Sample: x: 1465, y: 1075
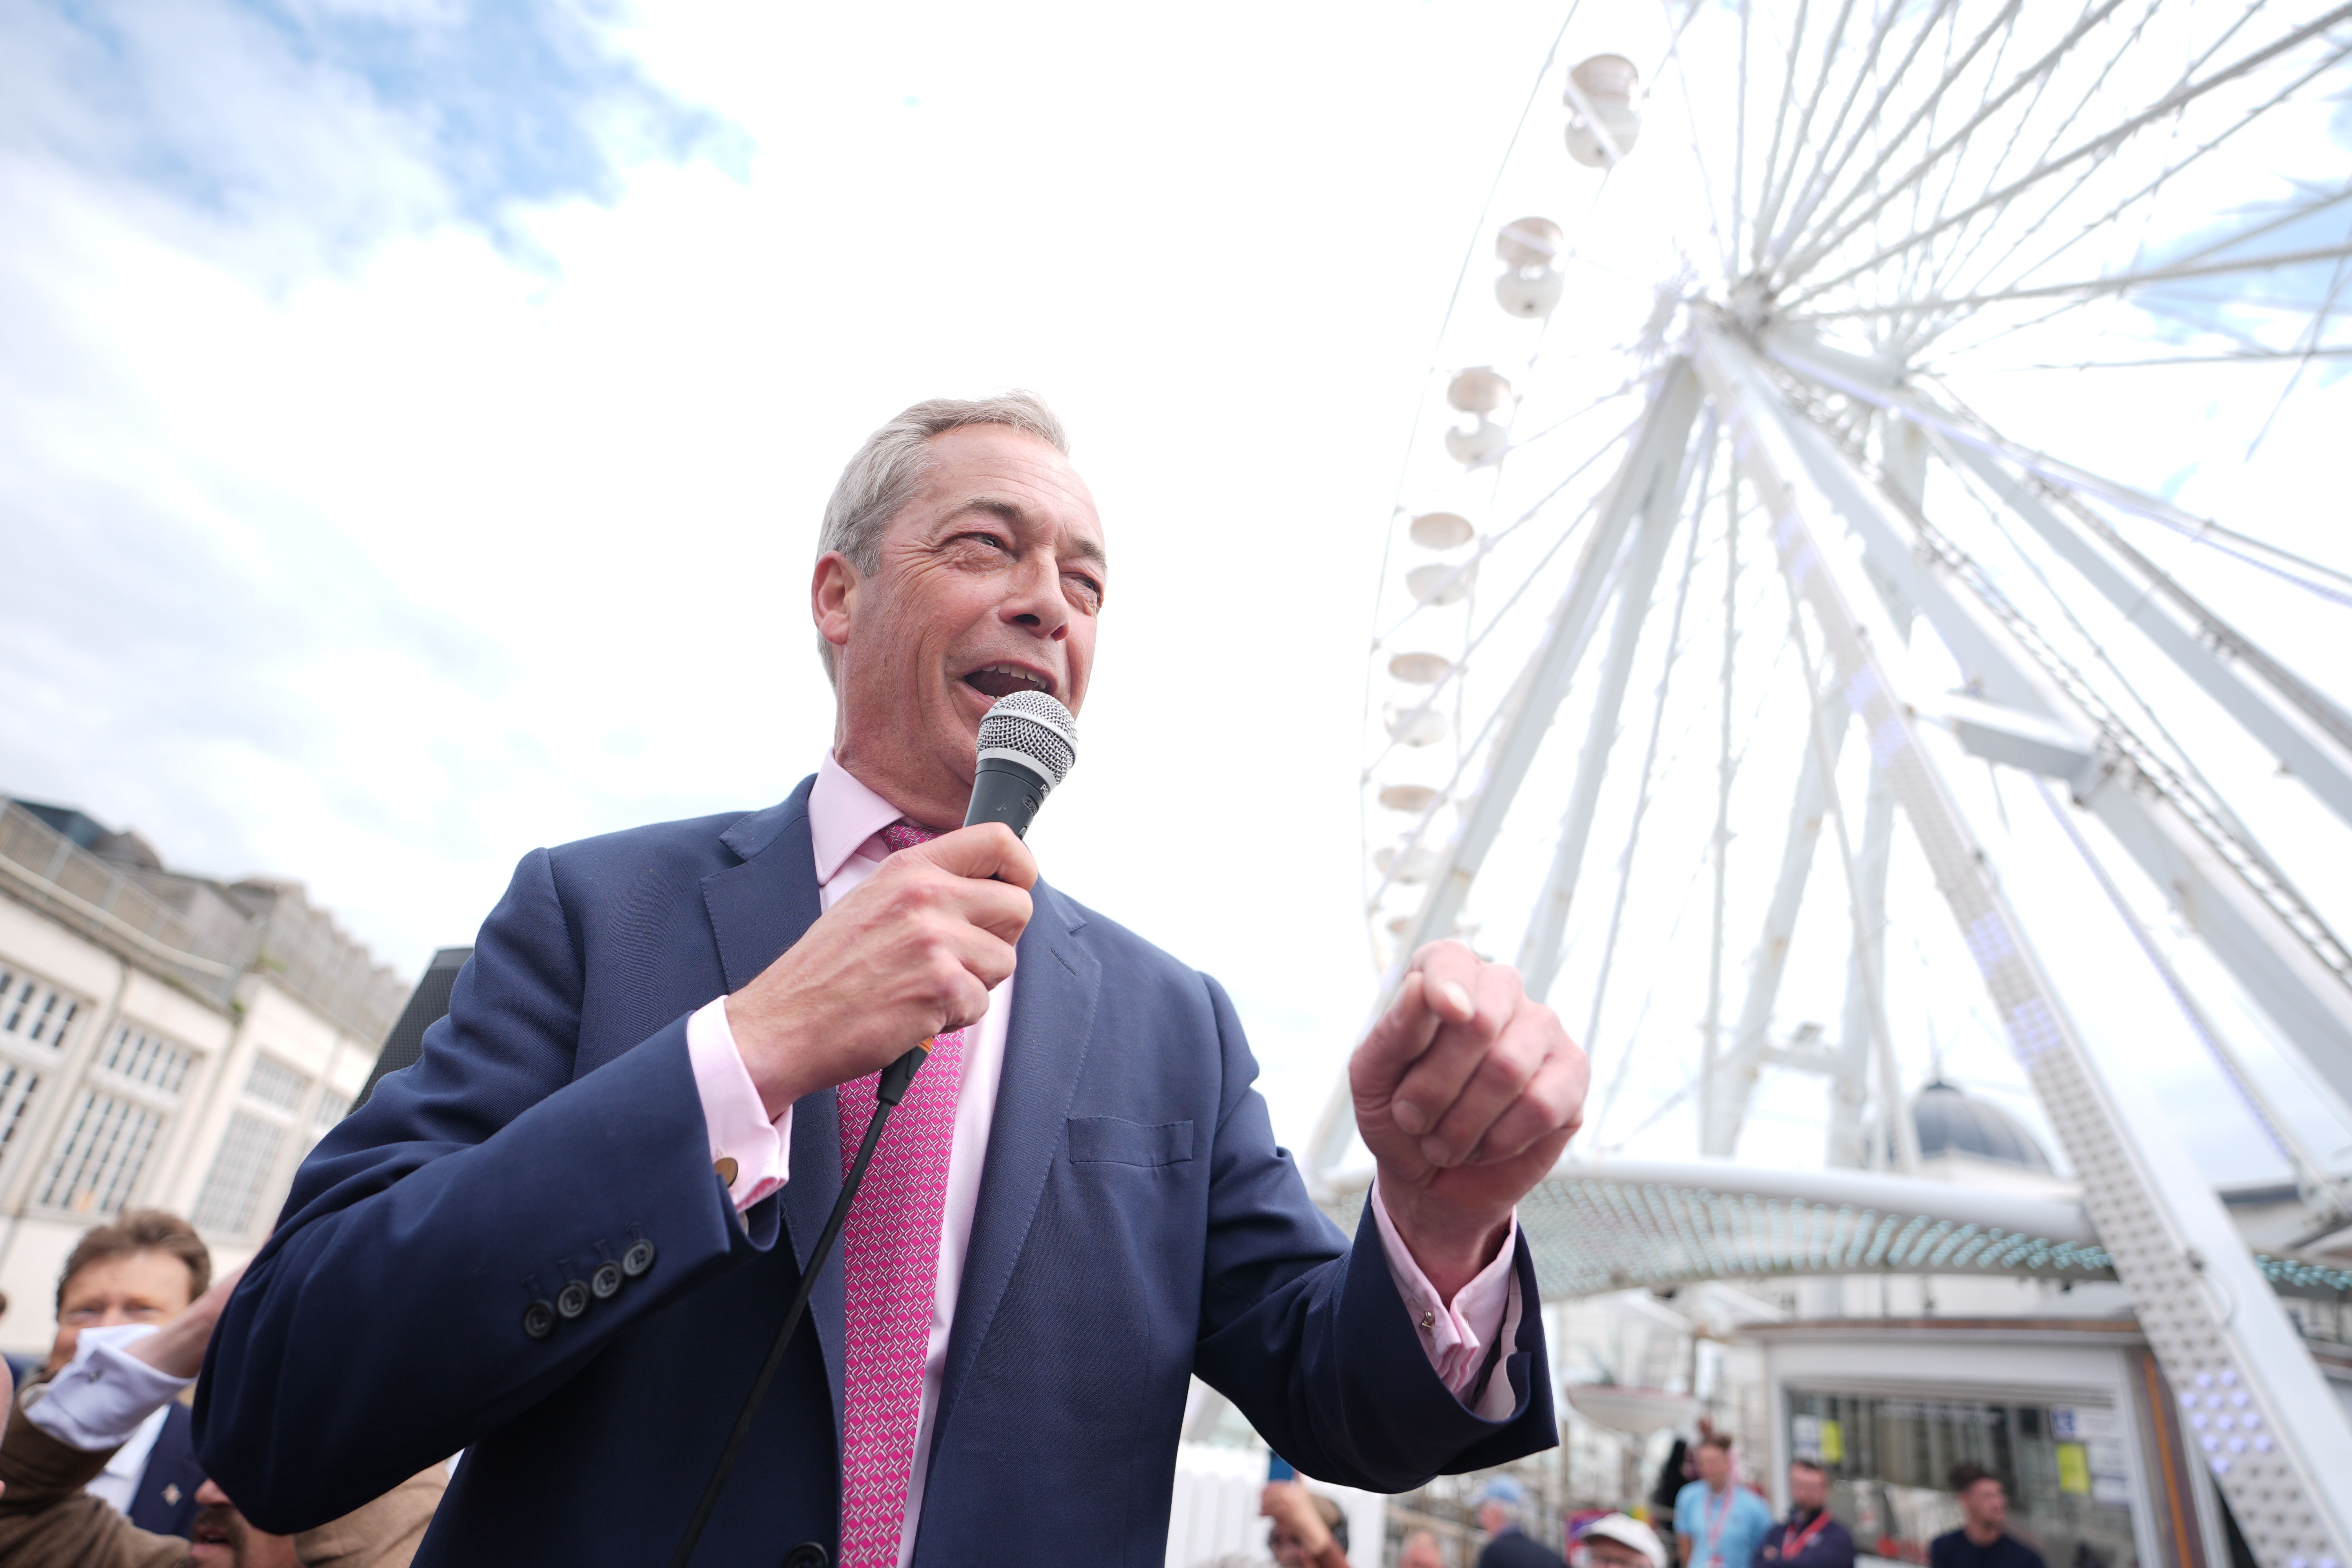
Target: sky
x: 414, y: 419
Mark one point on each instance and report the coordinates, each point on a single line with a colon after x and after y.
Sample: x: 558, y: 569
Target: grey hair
x: 884, y: 474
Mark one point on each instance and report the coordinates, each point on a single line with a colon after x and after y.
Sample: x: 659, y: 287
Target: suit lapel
x: 1055, y: 983
x: 758, y: 910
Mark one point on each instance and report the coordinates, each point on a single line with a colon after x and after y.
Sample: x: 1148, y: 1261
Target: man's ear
x: 833, y: 598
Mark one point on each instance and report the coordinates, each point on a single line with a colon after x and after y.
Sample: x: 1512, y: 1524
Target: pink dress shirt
x: 846, y: 820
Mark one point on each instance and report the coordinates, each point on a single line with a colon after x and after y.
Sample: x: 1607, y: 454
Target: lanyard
x: 1715, y: 1517
x: 1792, y: 1545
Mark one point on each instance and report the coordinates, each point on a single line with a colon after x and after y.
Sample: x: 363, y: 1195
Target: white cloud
x: 394, y: 484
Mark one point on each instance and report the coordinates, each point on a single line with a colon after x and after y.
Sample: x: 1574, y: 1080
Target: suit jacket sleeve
x: 484, y: 1179
x: 1307, y: 1334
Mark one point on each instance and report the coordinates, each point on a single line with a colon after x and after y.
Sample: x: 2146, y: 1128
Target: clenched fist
x: 1465, y: 1092
x: 913, y: 953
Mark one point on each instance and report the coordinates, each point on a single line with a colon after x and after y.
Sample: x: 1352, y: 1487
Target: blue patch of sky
x: 515, y: 104
x: 2273, y: 306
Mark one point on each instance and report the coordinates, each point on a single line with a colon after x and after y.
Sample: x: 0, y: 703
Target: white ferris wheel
x: 1796, y: 650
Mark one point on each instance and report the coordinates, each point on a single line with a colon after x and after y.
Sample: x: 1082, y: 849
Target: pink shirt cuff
x: 1455, y: 1335
x: 737, y: 1122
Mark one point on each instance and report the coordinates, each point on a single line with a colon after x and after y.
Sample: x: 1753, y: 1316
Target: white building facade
x: 166, y: 1041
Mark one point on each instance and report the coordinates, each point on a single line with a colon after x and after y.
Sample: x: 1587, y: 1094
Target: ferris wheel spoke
x: 2120, y: 283
x: 2104, y: 142
x: 1526, y: 714
x: 1997, y: 32
x: 1539, y: 950
x: 1648, y: 773
x: 1690, y: 116
x: 2040, y: 73
x: 1922, y: 262
x: 1780, y: 126
x: 1825, y: 171
x: 2238, y: 357
x: 1967, y: 247
x: 2150, y: 189
x: 1777, y: 191
x: 2309, y: 342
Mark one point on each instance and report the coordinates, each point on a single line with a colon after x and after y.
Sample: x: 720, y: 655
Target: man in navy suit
x: 563, y: 1239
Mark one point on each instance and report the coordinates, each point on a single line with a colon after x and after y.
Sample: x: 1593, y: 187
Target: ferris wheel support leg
x: 1539, y: 950
x: 2241, y: 904
x: 1653, y: 456
x: 1736, y: 1072
x: 2201, y: 646
x: 2225, y: 1344
x: 1865, y: 970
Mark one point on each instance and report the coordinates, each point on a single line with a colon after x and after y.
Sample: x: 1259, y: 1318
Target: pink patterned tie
x: 891, y: 1255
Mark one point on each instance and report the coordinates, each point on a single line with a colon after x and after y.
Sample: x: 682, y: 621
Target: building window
x: 17, y: 1083
x: 241, y: 1168
x: 332, y: 1108
x: 106, y: 1146
x: 272, y: 1082
x: 34, y: 1011
x: 116, y: 1124
x: 149, y: 1060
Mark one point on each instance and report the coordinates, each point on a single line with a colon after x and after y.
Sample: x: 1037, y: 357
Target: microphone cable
x: 888, y: 1092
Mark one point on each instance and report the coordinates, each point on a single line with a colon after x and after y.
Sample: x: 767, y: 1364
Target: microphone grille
x: 1035, y: 728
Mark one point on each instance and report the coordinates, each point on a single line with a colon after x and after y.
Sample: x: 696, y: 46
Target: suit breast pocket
x: 1114, y: 1140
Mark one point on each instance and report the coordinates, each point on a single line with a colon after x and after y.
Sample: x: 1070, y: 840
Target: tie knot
x: 905, y: 835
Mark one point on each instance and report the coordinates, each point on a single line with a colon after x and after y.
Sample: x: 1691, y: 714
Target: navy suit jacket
x: 1136, y: 1224
x: 165, y: 1500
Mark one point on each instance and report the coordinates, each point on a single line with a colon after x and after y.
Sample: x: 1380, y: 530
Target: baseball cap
x: 1627, y: 1530
x: 1506, y: 1492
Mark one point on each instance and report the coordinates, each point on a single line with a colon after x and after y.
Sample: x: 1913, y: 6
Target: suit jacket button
x: 538, y: 1320
x: 807, y: 1554
x: 637, y: 1259
x: 605, y: 1283
x: 573, y: 1299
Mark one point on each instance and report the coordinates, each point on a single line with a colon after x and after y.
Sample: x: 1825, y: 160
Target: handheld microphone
x: 1028, y: 743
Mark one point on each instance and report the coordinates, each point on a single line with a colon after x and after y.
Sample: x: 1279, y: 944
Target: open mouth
x: 211, y: 1530
x: 996, y: 680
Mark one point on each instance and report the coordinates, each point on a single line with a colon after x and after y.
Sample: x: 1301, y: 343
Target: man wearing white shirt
x: 563, y: 1239
x: 55, y: 1434
x: 145, y: 1266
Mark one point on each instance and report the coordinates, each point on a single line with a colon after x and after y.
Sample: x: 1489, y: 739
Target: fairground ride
x: 1765, y: 595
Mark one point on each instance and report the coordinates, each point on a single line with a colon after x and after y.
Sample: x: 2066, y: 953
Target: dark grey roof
x: 1951, y: 1122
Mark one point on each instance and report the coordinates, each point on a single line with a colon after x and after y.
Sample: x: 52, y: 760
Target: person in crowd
x: 1718, y: 1523
x: 1983, y: 1539
x: 145, y: 1267
x: 58, y: 1433
x: 1420, y: 1549
x: 21, y: 1368
x: 1810, y: 1537
x: 1308, y: 1530
x: 1676, y: 1474
x: 1619, y: 1540
x: 1502, y: 1505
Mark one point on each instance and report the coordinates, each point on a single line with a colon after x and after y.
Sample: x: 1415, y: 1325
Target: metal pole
x: 1539, y: 949
x: 1711, y: 1030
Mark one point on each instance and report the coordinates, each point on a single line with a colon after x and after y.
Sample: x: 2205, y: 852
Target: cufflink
x: 1428, y: 1318
x: 726, y: 1167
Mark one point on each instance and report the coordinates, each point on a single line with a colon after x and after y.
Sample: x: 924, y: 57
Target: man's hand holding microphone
x: 911, y: 953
